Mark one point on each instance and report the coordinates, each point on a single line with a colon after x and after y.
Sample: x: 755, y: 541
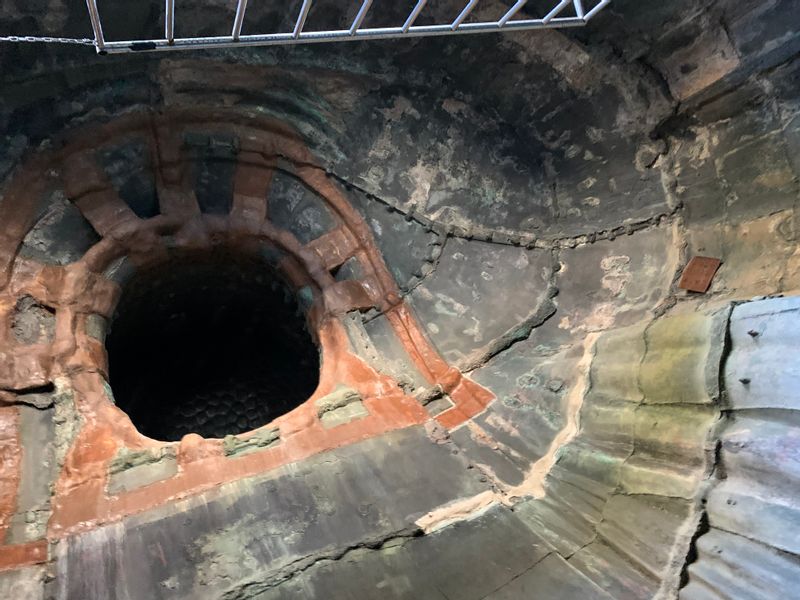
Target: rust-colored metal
x: 22, y: 555
x: 77, y: 361
x: 699, y: 273
x: 10, y: 461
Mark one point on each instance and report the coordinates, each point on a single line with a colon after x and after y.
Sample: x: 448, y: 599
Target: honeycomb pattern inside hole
x: 209, y: 343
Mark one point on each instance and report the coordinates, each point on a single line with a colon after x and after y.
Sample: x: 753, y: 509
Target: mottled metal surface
x: 465, y: 304
x: 622, y: 499
x: 226, y: 541
x: 751, y: 549
x: 617, y: 460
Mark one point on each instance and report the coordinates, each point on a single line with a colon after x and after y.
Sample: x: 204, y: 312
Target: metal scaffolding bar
x: 512, y: 11
x: 597, y: 9
x: 241, y: 7
x: 362, y: 13
x: 311, y: 37
x: 97, y: 27
x: 414, y: 14
x: 169, y: 21
x: 464, y: 14
x: 301, y: 19
x: 354, y: 32
x: 555, y: 12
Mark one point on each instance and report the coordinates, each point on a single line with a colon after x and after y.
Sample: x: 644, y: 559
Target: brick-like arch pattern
x: 75, y: 360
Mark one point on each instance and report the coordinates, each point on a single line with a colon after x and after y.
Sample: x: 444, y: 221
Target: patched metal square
x: 698, y: 274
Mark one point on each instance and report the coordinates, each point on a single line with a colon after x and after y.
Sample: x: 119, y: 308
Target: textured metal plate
x: 698, y: 274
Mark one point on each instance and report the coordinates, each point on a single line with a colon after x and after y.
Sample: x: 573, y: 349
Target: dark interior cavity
x: 209, y: 344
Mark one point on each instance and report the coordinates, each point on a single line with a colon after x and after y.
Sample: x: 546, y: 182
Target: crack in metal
x: 254, y: 589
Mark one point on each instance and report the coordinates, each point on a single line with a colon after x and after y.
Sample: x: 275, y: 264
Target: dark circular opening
x: 212, y: 344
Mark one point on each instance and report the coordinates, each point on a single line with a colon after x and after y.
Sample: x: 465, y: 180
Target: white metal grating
x: 581, y: 9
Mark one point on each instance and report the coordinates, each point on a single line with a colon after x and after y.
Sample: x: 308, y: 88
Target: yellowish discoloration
x: 678, y: 345
x: 777, y: 178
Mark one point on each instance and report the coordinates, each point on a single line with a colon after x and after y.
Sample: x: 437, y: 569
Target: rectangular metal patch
x: 698, y: 274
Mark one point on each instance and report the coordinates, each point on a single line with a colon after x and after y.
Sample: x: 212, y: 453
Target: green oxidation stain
x: 528, y: 380
x: 128, y: 459
x: 606, y: 459
x: 520, y: 331
x: 233, y: 445
x: 518, y: 402
x: 552, y: 418
x: 294, y: 103
x: 578, y: 457
x: 513, y: 402
x: 271, y: 254
x: 490, y: 198
x: 305, y: 296
x: 108, y: 392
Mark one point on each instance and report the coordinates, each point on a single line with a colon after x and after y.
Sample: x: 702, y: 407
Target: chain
x: 46, y: 40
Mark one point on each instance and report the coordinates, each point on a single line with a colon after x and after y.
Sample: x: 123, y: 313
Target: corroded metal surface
x: 699, y: 273
x: 73, y: 360
x: 594, y: 164
x: 751, y: 549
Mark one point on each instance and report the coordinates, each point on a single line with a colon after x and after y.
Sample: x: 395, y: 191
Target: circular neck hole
x: 213, y: 344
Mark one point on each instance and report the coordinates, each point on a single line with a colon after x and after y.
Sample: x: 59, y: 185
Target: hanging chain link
x: 46, y: 40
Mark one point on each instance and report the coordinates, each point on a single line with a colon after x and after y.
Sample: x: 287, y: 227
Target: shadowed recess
x: 213, y: 344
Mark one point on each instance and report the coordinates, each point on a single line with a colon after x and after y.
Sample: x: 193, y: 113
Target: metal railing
x: 554, y: 18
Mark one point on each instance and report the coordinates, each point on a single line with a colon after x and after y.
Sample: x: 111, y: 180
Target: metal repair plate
x: 698, y: 274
